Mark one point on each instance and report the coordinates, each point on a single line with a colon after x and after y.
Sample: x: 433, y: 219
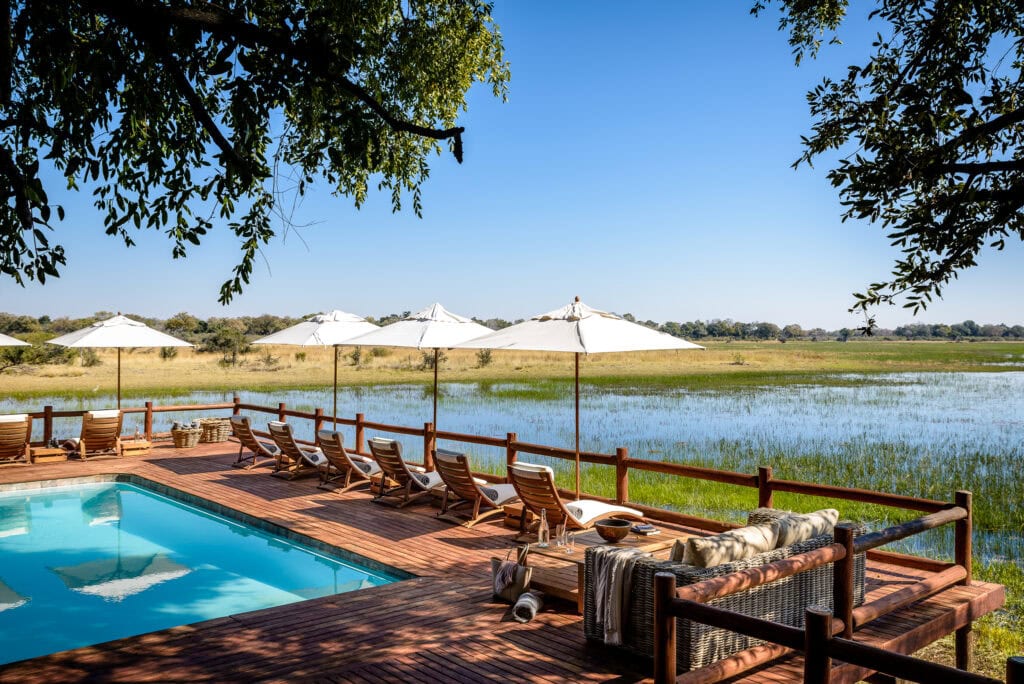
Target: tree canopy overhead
x: 931, y: 127
x: 179, y: 113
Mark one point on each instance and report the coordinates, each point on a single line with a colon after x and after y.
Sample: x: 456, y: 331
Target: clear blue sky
x: 642, y: 162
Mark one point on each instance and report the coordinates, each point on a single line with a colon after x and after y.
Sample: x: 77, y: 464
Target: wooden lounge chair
x: 409, y: 482
x: 101, y: 435
x: 261, y: 453
x: 535, y: 485
x: 458, y: 478
x: 294, y: 460
x: 15, y: 434
x: 351, y: 470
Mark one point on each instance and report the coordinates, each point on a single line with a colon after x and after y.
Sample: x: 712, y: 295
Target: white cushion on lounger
x: 586, y: 510
x: 533, y: 468
x: 314, y: 456
x: 14, y: 418
x: 428, y: 480
x: 108, y: 413
x: 498, y: 493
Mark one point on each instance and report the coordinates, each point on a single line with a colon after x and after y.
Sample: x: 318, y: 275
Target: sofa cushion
x: 743, y: 542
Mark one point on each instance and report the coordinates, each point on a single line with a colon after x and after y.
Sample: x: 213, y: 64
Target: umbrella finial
x: 577, y: 299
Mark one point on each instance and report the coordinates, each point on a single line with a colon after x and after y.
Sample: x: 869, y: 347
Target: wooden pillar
x: 318, y: 424
x: 817, y: 633
x: 237, y: 401
x: 764, y: 487
x: 664, y: 628
x: 280, y: 412
x: 621, y: 475
x: 964, y: 640
x: 47, y: 425
x: 842, y: 580
x: 147, y: 425
x: 360, y: 434
x: 1015, y: 670
x: 429, y: 440
x: 510, y: 452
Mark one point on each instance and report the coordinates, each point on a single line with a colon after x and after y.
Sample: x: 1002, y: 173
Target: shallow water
x: 910, y: 433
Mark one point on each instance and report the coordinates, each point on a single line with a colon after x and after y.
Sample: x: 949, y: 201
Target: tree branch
x: 21, y: 202
x: 981, y: 167
x: 218, y: 22
x: 981, y: 130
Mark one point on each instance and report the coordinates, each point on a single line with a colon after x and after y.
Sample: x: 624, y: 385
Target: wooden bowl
x: 612, y: 530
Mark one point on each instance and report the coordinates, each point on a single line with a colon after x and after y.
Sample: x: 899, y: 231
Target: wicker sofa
x: 783, y: 601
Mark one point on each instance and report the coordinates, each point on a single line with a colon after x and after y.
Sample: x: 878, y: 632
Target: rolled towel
x: 527, y: 605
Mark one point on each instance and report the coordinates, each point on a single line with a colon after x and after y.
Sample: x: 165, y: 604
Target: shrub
x: 89, y: 357
x: 168, y: 353
x: 483, y: 358
x: 428, y: 359
x: 300, y: 356
x: 356, y: 355
x: 379, y: 352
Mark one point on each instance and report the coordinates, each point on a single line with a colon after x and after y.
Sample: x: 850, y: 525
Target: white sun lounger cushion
x: 586, y: 510
x: 314, y: 456
x: 499, y: 493
x: 427, y: 480
x: 108, y: 413
x: 14, y: 418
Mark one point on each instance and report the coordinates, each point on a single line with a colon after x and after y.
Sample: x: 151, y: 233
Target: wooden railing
x: 832, y: 636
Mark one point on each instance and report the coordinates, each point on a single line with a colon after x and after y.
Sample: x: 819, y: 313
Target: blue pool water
x: 85, y: 564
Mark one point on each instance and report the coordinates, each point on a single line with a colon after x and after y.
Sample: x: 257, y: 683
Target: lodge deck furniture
x: 344, y: 470
x: 453, y: 467
x: 261, y: 452
x: 15, y: 435
x: 408, y: 483
x: 293, y: 459
x: 101, y: 435
x: 535, y: 485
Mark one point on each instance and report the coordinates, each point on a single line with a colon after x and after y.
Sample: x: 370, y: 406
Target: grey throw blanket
x: 505, y: 575
x: 527, y: 605
x: 613, y: 571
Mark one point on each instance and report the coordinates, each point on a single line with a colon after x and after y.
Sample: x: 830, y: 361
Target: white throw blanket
x: 613, y: 572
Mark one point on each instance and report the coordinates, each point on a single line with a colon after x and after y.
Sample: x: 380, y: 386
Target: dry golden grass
x: 143, y: 371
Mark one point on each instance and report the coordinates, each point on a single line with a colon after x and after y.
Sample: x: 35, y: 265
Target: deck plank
x: 443, y: 625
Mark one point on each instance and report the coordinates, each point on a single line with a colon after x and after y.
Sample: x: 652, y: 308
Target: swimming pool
x: 86, y: 563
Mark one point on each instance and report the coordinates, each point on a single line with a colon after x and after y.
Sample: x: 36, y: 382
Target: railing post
x: 147, y: 424
x: 510, y: 452
x: 964, y: 641
x: 237, y: 401
x: 842, y: 579
x: 429, y: 440
x: 360, y: 434
x: 47, y: 425
x: 280, y: 412
x: 664, y: 628
x: 621, y: 475
x: 764, y: 487
x: 318, y: 423
x: 817, y: 633
x: 1015, y: 670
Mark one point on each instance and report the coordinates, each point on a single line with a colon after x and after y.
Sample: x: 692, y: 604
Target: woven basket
x: 185, y: 437
x: 214, y: 429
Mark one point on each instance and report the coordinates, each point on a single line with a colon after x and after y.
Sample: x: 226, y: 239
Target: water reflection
x: 15, y: 517
x: 9, y: 598
x: 114, y: 579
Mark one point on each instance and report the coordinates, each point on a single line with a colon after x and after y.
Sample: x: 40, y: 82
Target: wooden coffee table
x: 553, y: 567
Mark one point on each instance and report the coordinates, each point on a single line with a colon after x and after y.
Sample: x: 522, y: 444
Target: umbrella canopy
x: 10, y: 599
x: 327, y: 329
x: 8, y: 341
x: 120, y: 332
x: 432, y: 328
x: 578, y: 329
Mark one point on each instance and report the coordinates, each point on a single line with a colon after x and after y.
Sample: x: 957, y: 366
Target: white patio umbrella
x: 120, y: 332
x: 8, y: 341
x: 579, y: 329
x: 433, y: 328
x: 334, y: 328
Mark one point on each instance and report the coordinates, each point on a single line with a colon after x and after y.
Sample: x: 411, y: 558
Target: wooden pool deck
x: 440, y: 626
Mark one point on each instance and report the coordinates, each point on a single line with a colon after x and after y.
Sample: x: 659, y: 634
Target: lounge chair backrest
x: 388, y: 454
x: 15, y: 433
x: 284, y: 438
x: 101, y: 430
x: 242, y: 429
x: 453, y: 468
x: 332, y: 444
x: 535, y: 485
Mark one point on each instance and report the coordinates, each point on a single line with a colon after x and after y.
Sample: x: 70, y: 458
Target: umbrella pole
x: 436, y: 350
x: 118, y: 378
x: 577, y: 425
x: 335, y: 413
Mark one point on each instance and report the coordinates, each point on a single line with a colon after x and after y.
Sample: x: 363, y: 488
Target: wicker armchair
x: 783, y: 601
